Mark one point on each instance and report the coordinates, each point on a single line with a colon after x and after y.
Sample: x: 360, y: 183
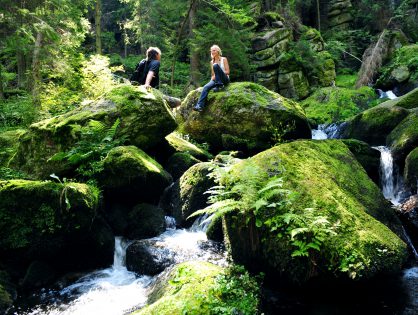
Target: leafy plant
x: 64, y: 193
x: 235, y: 292
x: 87, y: 154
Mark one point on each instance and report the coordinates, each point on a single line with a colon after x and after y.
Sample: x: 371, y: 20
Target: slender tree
x: 98, y: 26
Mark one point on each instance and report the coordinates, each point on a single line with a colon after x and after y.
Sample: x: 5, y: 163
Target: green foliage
x: 9, y: 173
x: 346, y: 80
x: 95, y: 142
x: 272, y: 207
x: 97, y: 76
x: 17, y: 111
x: 234, y: 292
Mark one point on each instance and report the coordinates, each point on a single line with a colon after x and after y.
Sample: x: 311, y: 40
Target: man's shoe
x: 198, y: 108
x: 218, y: 88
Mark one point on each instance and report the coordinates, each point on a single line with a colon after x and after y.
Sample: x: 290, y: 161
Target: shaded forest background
x: 56, y: 53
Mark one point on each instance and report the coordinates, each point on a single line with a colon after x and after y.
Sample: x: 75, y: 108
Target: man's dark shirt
x: 154, y: 65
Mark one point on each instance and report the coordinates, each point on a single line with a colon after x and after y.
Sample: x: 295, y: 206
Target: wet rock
x: 179, y: 163
x: 145, y: 221
x: 411, y: 170
x: 145, y: 257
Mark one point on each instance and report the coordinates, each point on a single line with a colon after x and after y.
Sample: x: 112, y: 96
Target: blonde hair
x: 217, y: 48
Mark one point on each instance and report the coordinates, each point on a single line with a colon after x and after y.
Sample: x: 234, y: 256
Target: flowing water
x: 387, y: 94
x: 328, y: 131
x: 116, y: 290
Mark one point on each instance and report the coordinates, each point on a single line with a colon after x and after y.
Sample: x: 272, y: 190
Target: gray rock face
x: 339, y: 15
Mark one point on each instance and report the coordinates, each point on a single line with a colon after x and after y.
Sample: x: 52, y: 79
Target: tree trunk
x: 36, y: 70
x: 21, y: 69
x: 318, y: 16
x: 179, y: 35
x: 1, y: 83
x: 194, y: 56
x: 98, y: 24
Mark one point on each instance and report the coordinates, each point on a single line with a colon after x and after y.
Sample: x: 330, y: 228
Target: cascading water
x: 116, y: 290
x: 387, y: 94
x: 331, y: 131
x: 390, y: 180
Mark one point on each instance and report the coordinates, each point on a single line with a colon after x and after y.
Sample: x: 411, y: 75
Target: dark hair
x: 152, y: 53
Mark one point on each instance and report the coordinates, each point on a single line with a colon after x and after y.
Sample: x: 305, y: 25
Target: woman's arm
x: 211, y: 70
x: 226, y: 65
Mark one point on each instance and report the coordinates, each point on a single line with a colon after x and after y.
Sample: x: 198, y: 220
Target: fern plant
x: 95, y: 142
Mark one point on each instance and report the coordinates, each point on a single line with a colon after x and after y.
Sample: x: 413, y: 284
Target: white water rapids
x: 117, y: 291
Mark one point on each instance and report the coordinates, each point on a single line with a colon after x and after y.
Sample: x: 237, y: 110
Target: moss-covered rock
x: 187, y: 194
x: 401, y: 71
x: 54, y: 222
x: 179, y: 163
x: 411, y: 170
x: 332, y: 104
x: 145, y: 119
x: 373, y: 125
x: 197, y: 287
x: 328, y: 183
x: 368, y: 158
x: 404, y: 138
x: 180, y: 144
x: 129, y: 174
x: 7, y: 293
x: 244, y: 116
x: 145, y: 221
x: 9, y: 141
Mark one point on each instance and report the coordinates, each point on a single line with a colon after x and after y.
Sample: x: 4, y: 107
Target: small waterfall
x: 331, y: 131
x: 120, y: 253
x: 386, y: 94
x: 390, y: 180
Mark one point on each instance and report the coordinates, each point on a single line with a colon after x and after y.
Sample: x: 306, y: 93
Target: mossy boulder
x: 145, y: 221
x: 145, y: 119
x: 244, y: 116
x: 333, y: 104
x: 404, y: 137
x: 9, y: 141
x: 375, y: 124
x: 198, y: 287
x: 327, y: 182
x: 179, y: 163
x: 411, y: 170
x: 131, y: 175
x: 187, y: 195
x: 7, y: 292
x: 368, y: 158
x: 402, y: 70
x: 54, y: 222
x: 180, y: 144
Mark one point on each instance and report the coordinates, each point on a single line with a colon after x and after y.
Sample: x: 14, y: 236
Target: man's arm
x: 148, y: 80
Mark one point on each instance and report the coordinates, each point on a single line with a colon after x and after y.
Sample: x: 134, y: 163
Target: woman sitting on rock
x: 220, y: 76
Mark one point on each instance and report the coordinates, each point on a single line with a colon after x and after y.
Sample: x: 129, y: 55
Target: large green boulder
x: 145, y: 119
x: 404, y: 138
x: 130, y: 175
x: 333, y: 104
x: 307, y: 209
x: 244, y: 116
x: 373, y: 125
x: 411, y: 170
x: 187, y: 195
x: 54, y: 222
x: 181, y: 144
x: 198, y: 287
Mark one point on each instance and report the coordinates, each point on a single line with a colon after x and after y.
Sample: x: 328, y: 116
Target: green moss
x: 406, y: 56
x: 346, y: 80
x: 32, y: 211
x: 203, y: 288
x: 180, y: 144
x: 373, y: 125
x: 411, y: 169
x: 243, y: 110
x: 325, y: 176
x: 404, y: 138
x: 9, y: 142
x: 334, y: 104
x: 179, y: 163
x: 409, y: 100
